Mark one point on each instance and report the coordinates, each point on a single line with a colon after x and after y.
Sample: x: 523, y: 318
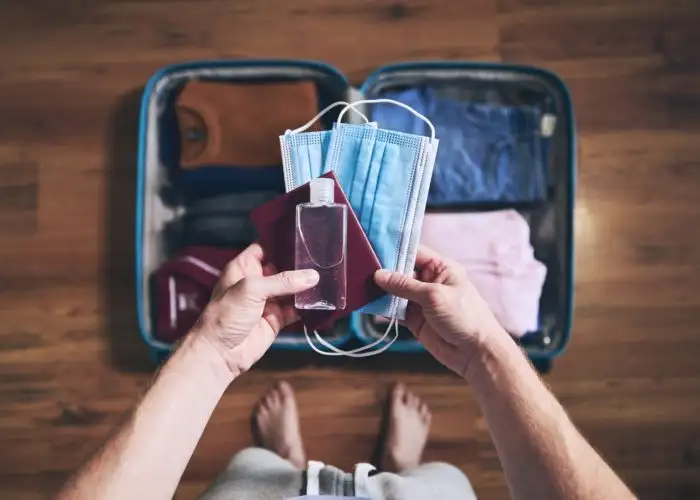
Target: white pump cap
x: 322, y: 190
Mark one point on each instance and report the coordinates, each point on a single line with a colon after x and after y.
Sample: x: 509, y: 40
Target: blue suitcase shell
x: 155, y: 156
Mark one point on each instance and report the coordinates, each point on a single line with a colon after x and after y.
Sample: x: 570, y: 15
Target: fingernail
x: 308, y: 277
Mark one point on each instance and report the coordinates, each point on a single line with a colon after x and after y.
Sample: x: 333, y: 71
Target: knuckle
x: 249, y: 291
x: 456, y: 269
x: 396, y: 281
x: 285, y: 279
x: 400, y: 281
x: 229, y: 270
x: 246, y: 286
x: 436, y: 296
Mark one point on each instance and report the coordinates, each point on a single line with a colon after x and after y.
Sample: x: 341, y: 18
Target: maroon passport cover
x: 275, y: 222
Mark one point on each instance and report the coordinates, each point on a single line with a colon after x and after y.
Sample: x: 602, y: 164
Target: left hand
x: 243, y: 316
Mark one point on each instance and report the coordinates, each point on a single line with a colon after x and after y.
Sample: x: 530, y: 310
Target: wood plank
x: 71, y: 360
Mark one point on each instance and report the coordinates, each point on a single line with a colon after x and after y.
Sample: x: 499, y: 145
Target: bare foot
x: 276, y: 421
x: 407, y: 432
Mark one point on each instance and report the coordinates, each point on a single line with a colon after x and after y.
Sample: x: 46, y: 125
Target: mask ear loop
x: 323, y: 112
x: 359, y: 352
x: 390, y: 101
x: 355, y: 353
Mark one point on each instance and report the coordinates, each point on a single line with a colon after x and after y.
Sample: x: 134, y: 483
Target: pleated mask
x: 386, y: 176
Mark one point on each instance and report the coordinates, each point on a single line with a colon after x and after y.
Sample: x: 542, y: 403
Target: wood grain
x: 71, y: 362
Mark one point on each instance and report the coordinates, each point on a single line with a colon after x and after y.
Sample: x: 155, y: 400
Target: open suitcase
x: 551, y: 221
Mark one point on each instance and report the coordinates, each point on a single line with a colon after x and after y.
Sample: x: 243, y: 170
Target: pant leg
x: 432, y: 480
x: 256, y: 474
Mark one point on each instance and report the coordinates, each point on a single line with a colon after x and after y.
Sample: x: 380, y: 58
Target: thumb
x: 402, y: 286
x: 286, y: 283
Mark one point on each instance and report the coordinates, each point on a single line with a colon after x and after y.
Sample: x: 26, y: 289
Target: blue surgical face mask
x: 386, y: 175
x: 304, y: 154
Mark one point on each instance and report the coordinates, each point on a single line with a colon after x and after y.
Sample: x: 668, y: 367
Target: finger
x: 269, y: 269
x: 436, y: 268
x: 237, y: 268
x: 279, y: 316
x: 402, y: 285
x: 288, y: 315
x: 425, y: 255
x: 254, y: 250
x: 255, y: 345
x: 414, y: 317
x: 285, y: 283
x: 274, y: 318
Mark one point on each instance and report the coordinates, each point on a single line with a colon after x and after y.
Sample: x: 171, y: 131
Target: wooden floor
x: 71, y: 362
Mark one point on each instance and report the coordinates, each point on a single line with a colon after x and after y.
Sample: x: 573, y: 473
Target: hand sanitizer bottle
x: 321, y: 227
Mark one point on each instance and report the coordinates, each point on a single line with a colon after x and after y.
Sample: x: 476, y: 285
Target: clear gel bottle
x: 321, y: 228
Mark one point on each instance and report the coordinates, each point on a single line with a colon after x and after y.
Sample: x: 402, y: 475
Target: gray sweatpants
x: 259, y: 474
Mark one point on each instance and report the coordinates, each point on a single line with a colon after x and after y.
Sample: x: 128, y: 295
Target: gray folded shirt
x: 223, y: 220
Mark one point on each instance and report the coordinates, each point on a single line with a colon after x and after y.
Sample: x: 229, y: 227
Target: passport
x: 275, y: 224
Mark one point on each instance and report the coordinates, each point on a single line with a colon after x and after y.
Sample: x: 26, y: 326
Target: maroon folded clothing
x: 183, y: 286
x: 275, y: 223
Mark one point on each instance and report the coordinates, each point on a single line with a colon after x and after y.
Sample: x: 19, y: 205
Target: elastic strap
x: 389, y: 101
x: 360, y: 351
x: 323, y: 112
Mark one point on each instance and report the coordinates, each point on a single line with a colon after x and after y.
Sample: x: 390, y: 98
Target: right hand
x: 244, y: 314
x: 445, y: 312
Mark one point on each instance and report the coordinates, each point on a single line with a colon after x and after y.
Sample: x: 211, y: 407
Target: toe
x: 412, y: 401
x: 285, y: 390
x: 398, y: 393
x: 423, y: 409
x: 425, y: 414
x: 271, y: 398
x: 275, y: 399
x: 261, y: 413
x: 271, y: 392
x: 266, y: 401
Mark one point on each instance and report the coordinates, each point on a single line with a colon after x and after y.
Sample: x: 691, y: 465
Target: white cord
x: 389, y: 101
x: 355, y: 353
x: 323, y: 112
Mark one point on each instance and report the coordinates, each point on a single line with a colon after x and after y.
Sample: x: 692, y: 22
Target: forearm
x: 149, y: 453
x: 542, y: 453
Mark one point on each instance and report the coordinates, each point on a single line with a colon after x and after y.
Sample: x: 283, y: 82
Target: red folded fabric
x: 275, y: 223
x: 183, y: 286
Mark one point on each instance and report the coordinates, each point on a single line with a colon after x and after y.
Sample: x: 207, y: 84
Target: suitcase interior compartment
x: 160, y: 204
x: 551, y: 221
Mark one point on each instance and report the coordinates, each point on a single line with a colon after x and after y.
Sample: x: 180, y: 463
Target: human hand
x: 445, y: 312
x: 244, y: 316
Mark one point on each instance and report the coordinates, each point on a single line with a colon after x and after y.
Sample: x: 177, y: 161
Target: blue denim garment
x: 488, y: 152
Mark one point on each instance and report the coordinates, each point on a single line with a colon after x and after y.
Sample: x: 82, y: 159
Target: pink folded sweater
x: 495, y: 249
